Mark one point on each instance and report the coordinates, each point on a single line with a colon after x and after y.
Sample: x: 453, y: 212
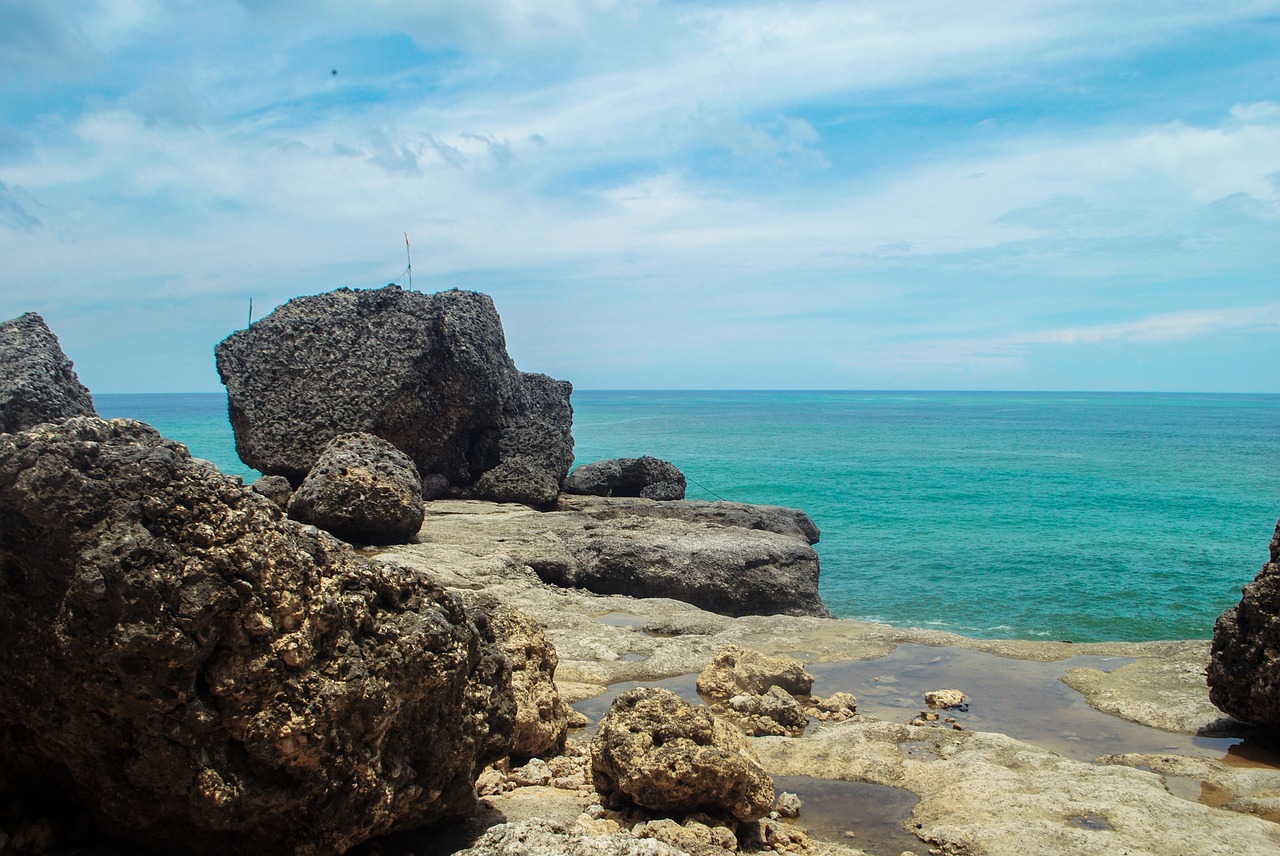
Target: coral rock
x: 1244, y: 663
x: 37, y: 381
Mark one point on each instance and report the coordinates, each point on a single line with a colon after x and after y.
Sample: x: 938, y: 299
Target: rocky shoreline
x: 192, y: 665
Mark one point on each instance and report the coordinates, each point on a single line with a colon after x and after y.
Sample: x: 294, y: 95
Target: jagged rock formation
x: 208, y: 677
x: 542, y: 717
x: 427, y: 372
x: 647, y: 477
x: 538, y: 837
x: 37, y: 381
x: 658, y: 752
x: 1244, y: 663
x: 757, y: 691
x: 363, y: 490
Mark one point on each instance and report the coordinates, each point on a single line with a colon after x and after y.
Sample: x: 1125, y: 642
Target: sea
x: 1011, y: 515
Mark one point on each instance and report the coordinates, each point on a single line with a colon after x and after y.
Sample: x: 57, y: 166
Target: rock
x: 658, y: 752
x: 363, y: 490
x: 275, y: 488
x: 736, y: 670
x: 646, y: 477
x: 427, y: 372
x: 535, y: 772
x: 37, y: 381
x: 1244, y: 662
x: 209, y: 677
x: 788, y: 805
x: 537, y: 837
x: 776, y: 713
x: 768, y: 518
x: 835, y: 708
x: 542, y: 717
x: 944, y: 699
x: 518, y: 480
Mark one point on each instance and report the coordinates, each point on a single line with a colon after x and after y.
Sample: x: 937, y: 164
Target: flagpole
x: 409, y: 258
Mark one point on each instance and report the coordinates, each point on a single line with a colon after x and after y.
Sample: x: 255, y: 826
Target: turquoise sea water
x: 1010, y: 515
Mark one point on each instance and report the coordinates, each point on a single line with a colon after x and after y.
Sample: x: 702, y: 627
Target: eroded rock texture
x: 363, y: 490
x: 659, y: 752
x: 207, y: 676
x: 647, y: 477
x: 1244, y: 665
x: 37, y: 381
x: 542, y: 716
x: 427, y: 372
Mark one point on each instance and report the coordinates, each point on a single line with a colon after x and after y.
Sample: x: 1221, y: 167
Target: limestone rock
x: 788, y: 805
x: 660, y: 753
x: 944, y: 699
x: 736, y: 670
x: 207, y: 676
x: 1244, y: 662
x: 835, y: 708
x: 542, y: 716
x: 427, y: 372
x: 363, y: 490
x: 37, y: 381
x: 275, y: 488
x: 537, y: 837
x: 767, y: 518
x: 646, y: 477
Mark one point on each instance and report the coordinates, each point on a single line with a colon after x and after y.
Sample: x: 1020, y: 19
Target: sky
x: 665, y: 194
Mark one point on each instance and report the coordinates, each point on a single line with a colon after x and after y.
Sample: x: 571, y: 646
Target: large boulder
x: 742, y: 515
x: 363, y: 490
x: 37, y: 381
x: 427, y: 372
x: 657, y: 751
x: 648, y: 477
x: 1244, y: 663
x: 209, y: 677
x: 542, y: 716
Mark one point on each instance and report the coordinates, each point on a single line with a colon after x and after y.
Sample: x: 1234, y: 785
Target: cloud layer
x: 1079, y: 195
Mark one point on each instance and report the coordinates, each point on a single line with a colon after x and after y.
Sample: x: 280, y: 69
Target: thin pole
x: 409, y: 258
x: 250, y: 324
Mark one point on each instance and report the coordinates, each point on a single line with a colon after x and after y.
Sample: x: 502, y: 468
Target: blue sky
x: 859, y: 195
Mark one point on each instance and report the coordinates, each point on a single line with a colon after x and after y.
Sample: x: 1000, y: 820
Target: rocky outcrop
x: 647, y: 477
x: 206, y: 676
x: 736, y: 670
x: 1244, y: 663
x: 791, y: 522
x: 721, y: 568
x: 363, y: 490
x: 542, y: 717
x: 656, y: 751
x: 427, y: 372
x: 537, y: 837
x: 37, y: 381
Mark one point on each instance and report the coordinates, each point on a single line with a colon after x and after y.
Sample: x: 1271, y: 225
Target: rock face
x: 427, y: 372
x: 37, y: 381
x: 1244, y: 666
x: 542, y: 717
x: 657, y: 751
x: 363, y: 490
x: 791, y: 522
x: 646, y: 477
x: 757, y: 691
x: 207, y: 676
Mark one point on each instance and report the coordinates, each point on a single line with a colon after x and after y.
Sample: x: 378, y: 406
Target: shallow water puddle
x: 1022, y: 698
x: 856, y: 813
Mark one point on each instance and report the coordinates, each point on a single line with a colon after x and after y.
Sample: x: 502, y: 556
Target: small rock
x: 536, y: 772
x: 788, y: 804
x: 944, y: 699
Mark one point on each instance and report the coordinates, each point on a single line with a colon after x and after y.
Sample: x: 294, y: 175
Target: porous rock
x: 647, y: 477
x: 363, y: 490
x: 427, y: 372
x: 539, y: 837
x: 660, y: 753
x: 766, y: 518
x: 1244, y: 662
x: 275, y: 488
x: 944, y: 699
x: 736, y: 670
x: 37, y: 381
x: 542, y: 716
x: 207, y: 676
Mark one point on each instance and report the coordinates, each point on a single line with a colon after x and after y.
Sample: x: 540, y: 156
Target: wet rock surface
x: 37, y: 381
x: 363, y: 490
x: 646, y: 477
x: 658, y: 752
x: 1244, y: 664
x: 427, y: 372
x: 202, y: 675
